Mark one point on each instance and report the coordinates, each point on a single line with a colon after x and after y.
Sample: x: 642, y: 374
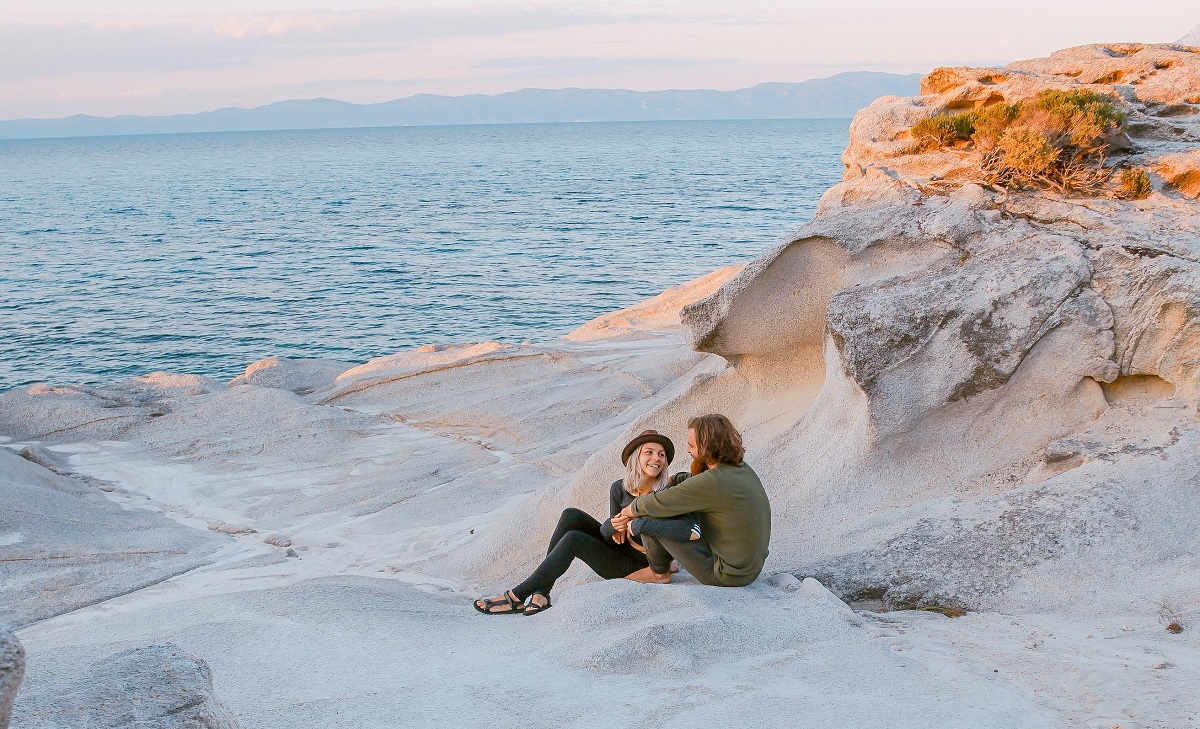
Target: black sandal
x: 508, y: 599
x: 532, y: 608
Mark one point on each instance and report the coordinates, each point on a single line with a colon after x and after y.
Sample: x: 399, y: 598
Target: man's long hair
x: 717, y: 442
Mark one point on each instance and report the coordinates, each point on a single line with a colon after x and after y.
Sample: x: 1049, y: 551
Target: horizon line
x: 444, y: 96
x: 4, y: 140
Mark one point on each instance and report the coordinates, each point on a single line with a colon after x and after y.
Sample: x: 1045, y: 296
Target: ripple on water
x: 204, y: 252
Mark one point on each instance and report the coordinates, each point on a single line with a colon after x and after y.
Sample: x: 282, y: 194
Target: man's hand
x: 619, y: 536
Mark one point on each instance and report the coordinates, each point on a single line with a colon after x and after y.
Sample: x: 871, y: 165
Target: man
x: 728, y: 498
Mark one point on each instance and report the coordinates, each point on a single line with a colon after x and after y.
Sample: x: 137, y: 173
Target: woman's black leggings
x: 578, y: 535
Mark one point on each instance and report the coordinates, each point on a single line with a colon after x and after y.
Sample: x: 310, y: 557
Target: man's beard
x: 698, y: 467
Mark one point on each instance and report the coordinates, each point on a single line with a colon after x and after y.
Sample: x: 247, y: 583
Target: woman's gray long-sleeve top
x: 679, y: 529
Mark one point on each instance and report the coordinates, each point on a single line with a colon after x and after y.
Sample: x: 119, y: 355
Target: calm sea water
x: 202, y: 253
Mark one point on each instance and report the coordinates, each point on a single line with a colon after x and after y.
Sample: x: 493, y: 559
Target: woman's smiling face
x: 652, y: 459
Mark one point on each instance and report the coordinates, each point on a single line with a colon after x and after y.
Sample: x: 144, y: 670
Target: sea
x: 202, y: 253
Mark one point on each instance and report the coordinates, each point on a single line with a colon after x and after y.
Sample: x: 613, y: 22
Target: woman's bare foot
x: 648, y: 576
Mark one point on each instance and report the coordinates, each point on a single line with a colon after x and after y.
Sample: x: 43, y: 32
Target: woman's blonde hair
x: 633, y: 472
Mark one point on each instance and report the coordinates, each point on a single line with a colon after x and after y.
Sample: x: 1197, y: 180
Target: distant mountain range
x: 837, y: 96
x: 1192, y: 38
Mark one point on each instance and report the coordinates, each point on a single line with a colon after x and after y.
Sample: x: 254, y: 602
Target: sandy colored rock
x: 658, y: 313
x: 299, y: 375
x: 1180, y: 172
x: 1156, y: 85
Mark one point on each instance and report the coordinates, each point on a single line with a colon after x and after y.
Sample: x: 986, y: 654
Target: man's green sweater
x: 735, y: 517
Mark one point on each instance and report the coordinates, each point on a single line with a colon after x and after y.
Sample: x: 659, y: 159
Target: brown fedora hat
x: 648, y: 436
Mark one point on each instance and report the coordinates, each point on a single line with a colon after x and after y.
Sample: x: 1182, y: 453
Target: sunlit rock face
x: 929, y: 337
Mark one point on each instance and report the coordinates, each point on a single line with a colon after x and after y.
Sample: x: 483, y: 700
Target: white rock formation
x: 950, y: 340
x: 300, y: 376
x: 64, y: 544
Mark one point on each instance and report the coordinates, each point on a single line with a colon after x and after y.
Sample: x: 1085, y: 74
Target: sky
x: 62, y: 57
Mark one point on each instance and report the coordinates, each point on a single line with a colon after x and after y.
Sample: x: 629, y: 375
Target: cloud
x: 590, y: 66
x: 242, y: 27
x: 34, y: 51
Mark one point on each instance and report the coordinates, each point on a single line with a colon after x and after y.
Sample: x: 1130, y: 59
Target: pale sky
x: 108, y: 57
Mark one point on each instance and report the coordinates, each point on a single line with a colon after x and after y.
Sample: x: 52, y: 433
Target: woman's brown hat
x: 648, y: 436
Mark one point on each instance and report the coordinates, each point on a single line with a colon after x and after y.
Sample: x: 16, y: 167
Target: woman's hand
x: 620, y: 521
x: 619, y: 536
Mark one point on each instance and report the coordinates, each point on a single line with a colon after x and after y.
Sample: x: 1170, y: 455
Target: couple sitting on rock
x: 715, y: 521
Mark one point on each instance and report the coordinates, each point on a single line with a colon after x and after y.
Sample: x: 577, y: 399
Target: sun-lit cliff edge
x: 964, y: 397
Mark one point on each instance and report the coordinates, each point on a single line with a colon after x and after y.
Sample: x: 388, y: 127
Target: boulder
x: 1157, y: 297
x: 157, y: 686
x: 12, y: 670
x: 298, y: 375
x: 918, y: 342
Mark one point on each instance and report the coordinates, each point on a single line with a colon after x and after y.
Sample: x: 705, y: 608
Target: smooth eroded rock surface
x: 66, y: 544
x: 157, y: 686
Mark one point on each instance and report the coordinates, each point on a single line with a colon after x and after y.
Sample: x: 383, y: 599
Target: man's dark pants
x: 693, y: 555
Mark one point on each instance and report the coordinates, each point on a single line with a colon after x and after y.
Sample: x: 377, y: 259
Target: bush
x: 1084, y: 117
x: 1080, y: 121
x: 990, y: 123
x: 1136, y: 183
x: 944, y: 129
x: 1026, y: 153
x: 1057, y: 138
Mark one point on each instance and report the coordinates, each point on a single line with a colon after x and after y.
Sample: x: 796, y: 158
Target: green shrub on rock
x: 1136, y: 183
x: 1056, y: 139
x: 1084, y: 117
x: 990, y: 123
x: 1026, y: 153
x: 944, y: 129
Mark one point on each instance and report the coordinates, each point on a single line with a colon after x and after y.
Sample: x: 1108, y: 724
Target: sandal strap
x: 532, y: 607
x: 506, y: 599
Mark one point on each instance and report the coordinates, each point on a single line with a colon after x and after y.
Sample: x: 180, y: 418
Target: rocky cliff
x: 962, y: 388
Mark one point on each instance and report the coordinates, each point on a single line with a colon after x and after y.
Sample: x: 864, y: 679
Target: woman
x: 611, y: 553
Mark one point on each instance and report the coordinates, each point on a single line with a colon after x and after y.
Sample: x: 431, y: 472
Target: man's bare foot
x: 648, y: 576
x: 674, y: 566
